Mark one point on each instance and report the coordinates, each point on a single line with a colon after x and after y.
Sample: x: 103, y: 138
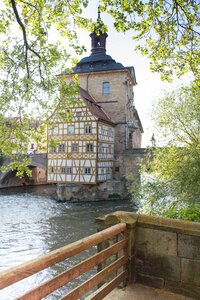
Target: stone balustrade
x: 163, y: 253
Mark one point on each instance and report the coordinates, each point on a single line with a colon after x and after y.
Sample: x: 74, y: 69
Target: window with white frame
x: 68, y: 170
x: 89, y: 147
x: 53, y: 149
x: 63, y: 170
x: 106, y: 88
x: 88, y: 129
x: 110, y: 132
x: 100, y: 148
x: 74, y: 147
x: 78, y: 114
x: 61, y: 148
x: 70, y: 129
x: 87, y: 170
x: 55, y: 129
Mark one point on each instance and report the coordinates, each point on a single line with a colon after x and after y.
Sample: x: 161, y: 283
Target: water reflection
x: 33, y: 223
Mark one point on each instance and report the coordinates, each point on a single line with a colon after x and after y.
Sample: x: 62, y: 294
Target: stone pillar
x: 110, y: 220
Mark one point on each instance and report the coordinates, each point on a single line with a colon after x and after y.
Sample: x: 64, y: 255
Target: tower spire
x: 99, y: 13
x: 98, y: 37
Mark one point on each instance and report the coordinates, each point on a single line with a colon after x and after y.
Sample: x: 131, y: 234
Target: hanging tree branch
x: 27, y: 47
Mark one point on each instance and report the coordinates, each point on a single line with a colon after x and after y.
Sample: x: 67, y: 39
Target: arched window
x: 97, y: 42
x: 106, y: 88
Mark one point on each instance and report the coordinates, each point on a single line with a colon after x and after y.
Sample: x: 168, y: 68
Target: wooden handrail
x: 27, y: 269
x: 90, y: 283
x: 67, y: 276
x: 105, y: 289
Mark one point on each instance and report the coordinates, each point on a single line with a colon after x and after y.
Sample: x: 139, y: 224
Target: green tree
x: 30, y: 59
x: 172, y: 171
x: 166, y: 31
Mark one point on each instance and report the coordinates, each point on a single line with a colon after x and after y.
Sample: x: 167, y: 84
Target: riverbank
x: 50, y: 190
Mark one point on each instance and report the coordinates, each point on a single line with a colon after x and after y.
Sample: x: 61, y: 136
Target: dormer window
x: 106, y: 88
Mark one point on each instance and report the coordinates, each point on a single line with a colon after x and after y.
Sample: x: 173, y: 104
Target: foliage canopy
x: 32, y: 55
x: 172, y: 181
x: 166, y: 31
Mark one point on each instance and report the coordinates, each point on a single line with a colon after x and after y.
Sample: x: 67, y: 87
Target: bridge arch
x: 38, y: 167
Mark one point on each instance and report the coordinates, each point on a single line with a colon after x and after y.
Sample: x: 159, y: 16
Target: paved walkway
x: 141, y: 292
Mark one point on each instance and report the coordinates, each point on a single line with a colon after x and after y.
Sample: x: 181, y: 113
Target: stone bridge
x: 38, y: 166
x: 39, y: 160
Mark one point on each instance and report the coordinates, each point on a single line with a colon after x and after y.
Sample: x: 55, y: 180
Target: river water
x: 33, y: 223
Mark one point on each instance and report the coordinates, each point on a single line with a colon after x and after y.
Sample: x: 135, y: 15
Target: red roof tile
x: 94, y: 108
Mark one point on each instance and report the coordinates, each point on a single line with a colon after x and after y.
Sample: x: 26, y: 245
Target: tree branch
x: 27, y: 47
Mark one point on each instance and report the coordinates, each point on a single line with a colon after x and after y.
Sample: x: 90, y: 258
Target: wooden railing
x: 116, y: 270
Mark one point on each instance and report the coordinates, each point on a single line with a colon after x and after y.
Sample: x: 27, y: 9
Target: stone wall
x: 39, y: 176
x: 115, y: 103
x: 109, y: 190
x: 137, y: 139
x: 165, y: 253
x: 128, y: 163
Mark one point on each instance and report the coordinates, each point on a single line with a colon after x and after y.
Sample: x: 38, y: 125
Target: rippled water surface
x: 33, y: 223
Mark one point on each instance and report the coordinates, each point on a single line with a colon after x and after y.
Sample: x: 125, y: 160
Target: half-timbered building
x: 95, y: 145
x: 82, y: 149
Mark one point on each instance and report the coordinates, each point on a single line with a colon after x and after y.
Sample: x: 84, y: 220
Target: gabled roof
x: 94, y: 108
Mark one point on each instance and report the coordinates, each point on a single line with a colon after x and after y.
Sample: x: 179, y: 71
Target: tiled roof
x: 97, y: 62
x: 94, y: 108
